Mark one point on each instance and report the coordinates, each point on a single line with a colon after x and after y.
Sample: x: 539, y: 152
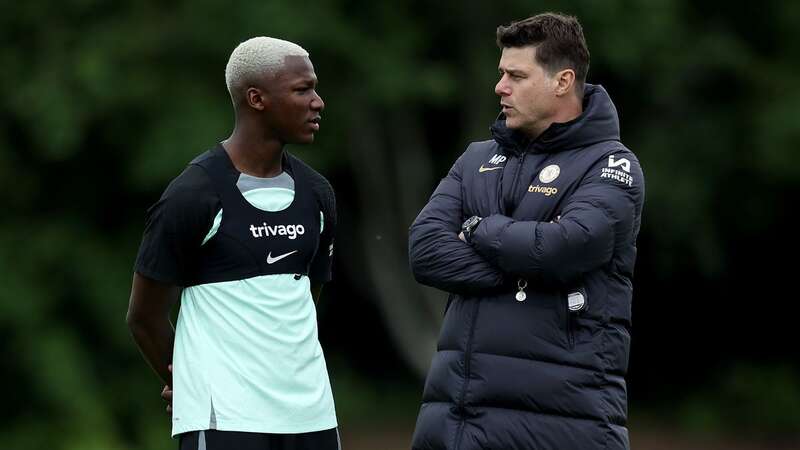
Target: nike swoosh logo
x: 271, y: 260
x: 486, y: 169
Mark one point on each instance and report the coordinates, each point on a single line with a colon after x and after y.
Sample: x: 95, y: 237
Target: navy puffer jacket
x: 561, y: 215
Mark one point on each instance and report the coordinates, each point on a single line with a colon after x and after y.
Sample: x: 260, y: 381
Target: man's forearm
x: 437, y: 256
x: 440, y: 259
x: 552, y: 253
x: 149, y: 321
x: 155, y: 340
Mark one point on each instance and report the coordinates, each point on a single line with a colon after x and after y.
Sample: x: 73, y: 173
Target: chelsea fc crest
x: 549, y: 173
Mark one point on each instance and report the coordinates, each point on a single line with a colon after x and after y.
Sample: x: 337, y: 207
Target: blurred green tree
x: 103, y: 102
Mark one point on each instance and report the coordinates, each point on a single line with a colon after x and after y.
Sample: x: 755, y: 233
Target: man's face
x: 527, y: 92
x: 293, y: 106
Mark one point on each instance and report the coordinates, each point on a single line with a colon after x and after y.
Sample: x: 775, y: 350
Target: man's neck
x: 572, y: 108
x: 254, y: 155
x: 569, y: 110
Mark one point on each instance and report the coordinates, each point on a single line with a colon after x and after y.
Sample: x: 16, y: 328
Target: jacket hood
x: 598, y: 122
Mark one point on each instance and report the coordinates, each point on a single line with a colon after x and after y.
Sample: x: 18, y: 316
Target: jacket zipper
x: 570, y: 333
x: 519, y: 170
x: 467, y: 357
x: 575, y: 303
x: 508, y: 203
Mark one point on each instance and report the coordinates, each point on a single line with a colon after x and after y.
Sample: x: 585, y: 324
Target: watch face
x: 469, y: 223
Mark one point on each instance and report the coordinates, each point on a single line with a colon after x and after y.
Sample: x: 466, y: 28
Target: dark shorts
x: 237, y: 440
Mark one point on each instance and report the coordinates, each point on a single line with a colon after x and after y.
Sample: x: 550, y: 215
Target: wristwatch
x: 469, y: 226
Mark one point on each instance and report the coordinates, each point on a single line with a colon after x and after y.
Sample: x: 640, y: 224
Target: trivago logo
x: 264, y: 230
x: 546, y: 190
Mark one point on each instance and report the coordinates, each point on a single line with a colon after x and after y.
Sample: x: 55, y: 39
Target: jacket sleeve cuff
x: 486, y: 237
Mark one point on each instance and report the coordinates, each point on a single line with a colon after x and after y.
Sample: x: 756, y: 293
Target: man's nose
x: 501, y: 88
x: 317, y: 104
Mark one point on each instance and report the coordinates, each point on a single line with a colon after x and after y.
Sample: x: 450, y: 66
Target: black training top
x: 172, y: 249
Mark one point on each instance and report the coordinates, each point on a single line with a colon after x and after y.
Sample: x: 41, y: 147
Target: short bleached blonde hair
x: 254, y: 58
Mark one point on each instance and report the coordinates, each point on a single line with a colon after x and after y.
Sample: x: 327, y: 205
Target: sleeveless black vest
x: 251, y: 242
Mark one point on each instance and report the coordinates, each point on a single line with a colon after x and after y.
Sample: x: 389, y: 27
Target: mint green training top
x: 246, y: 356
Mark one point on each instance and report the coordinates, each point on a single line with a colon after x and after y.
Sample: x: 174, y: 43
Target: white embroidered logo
x: 616, y: 174
x: 497, y: 159
x: 549, y: 173
x: 626, y: 165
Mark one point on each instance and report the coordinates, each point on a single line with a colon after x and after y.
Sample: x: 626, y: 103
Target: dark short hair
x: 558, y: 39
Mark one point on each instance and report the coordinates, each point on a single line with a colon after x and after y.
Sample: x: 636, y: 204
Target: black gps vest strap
x: 251, y: 242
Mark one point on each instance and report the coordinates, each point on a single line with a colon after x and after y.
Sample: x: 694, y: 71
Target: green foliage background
x: 102, y: 103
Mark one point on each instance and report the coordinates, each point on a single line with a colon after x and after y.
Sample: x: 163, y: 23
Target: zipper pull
x: 521, y: 285
x: 576, y: 301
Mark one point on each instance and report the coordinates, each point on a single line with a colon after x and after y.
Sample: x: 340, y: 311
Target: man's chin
x: 516, y: 125
x: 304, y: 139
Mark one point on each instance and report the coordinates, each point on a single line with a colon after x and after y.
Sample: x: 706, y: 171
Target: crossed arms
x: 598, y: 216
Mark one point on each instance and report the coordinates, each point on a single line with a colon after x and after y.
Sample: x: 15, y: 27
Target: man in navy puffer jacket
x: 533, y: 234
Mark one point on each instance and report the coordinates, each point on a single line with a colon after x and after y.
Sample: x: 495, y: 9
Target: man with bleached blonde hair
x: 243, y: 237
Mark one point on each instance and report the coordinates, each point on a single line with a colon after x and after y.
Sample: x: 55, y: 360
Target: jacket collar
x: 598, y: 122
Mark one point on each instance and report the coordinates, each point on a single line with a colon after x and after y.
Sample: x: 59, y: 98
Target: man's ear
x: 256, y: 98
x: 565, y: 81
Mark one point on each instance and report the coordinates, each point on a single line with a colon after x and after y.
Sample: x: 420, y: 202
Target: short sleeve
x: 175, y: 227
x: 320, y: 270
